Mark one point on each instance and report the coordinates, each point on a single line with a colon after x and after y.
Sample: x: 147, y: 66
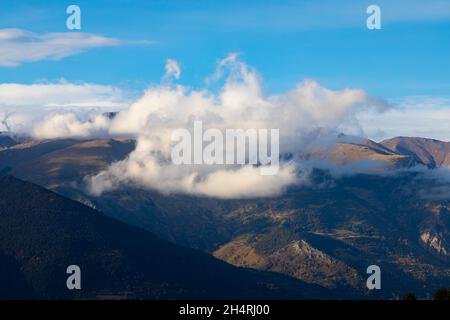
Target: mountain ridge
x: 337, y: 225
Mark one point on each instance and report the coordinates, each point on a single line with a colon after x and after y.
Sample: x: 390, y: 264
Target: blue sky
x: 123, y: 47
x: 286, y: 41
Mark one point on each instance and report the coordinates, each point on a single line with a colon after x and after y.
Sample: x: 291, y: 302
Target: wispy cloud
x: 173, y: 70
x: 21, y: 105
x: 20, y: 46
x: 61, y: 94
x: 413, y: 116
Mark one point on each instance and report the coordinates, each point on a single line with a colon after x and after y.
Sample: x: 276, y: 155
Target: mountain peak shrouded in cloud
x: 239, y: 103
x: 22, y: 46
x: 309, y: 117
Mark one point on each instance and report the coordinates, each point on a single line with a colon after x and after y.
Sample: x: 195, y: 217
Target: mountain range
x: 314, y: 241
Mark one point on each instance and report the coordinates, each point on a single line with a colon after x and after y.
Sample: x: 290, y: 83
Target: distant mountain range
x: 399, y: 152
x: 324, y: 234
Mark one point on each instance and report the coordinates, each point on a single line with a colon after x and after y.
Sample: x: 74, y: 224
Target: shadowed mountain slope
x: 42, y: 233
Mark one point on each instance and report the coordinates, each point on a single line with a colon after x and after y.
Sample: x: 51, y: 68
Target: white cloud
x: 20, y: 46
x: 69, y: 126
x: 240, y: 103
x: 173, y: 70
x: 61, y: 94
x: 22, y: 105
x: 244, y: 182
x: 413, y: 116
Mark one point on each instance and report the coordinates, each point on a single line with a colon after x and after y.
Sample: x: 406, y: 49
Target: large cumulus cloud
x: 309, y: 114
